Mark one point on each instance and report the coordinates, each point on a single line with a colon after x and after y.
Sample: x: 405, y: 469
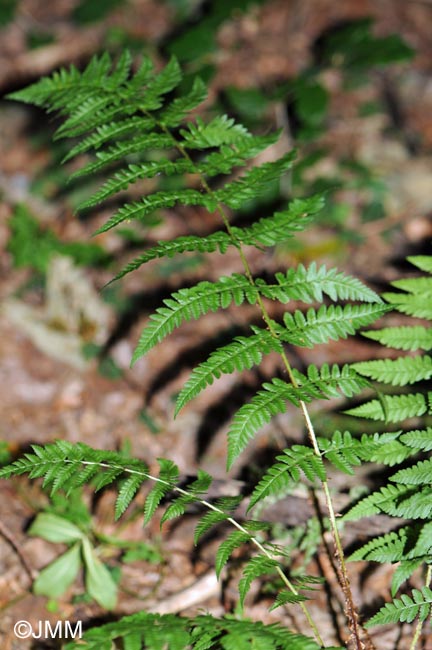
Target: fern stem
x: 419, y: 625
x: 233, y: 522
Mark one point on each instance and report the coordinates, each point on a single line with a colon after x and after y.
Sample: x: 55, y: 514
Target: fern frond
x: 328, y: 323
x: 221, y: 130
x: 423, y: 262
x: 343, y: 451
x: 377, y: 502
x: 403, y: 572
x: 253, y: 183
x: 385, y: 548
x: 418, y: 474
x: 132, y: 174
x: 111, y: 131
x: 157, y: 201
x: 330, y: 381
x: 189, y: 304
x: 236, y: 539
x: 398, y: 372
x: 126, y: 493
x: 392, y: 408
x: 417, y: 304
x: 284, y: 473
x: 274, y: 229
x: 288, y: 598
x: 120, y: 150
x: 322, y: 384
x: 405, y: 609
x: 310, y: 285
x: 256, y: 567
x: 168, y: 478
x: 220, y: 512
x: 188, y: 243
x: 201, y: 632
x: 421, y: 286
x: 195, y: 490
x: 403, y: 338
x: 173, y: 114
x: 418, y: 439
x: 243, y: 353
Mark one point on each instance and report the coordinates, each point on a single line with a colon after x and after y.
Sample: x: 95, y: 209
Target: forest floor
x: 50, y: 391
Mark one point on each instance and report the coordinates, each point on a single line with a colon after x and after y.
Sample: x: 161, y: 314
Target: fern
x: 136, y: 125
x: 154, y: 631
x: 408, y: 493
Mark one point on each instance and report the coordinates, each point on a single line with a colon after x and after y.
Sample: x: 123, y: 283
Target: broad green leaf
x: 98, y: 580
x: 59, y: 575
x: 55, y: 529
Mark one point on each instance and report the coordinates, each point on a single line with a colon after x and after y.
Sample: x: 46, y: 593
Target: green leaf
x: 405, y: 609
x: 405, y: 337
x: 392, y: 408
x: 189, y: 304
x: 127, y: 492
x: 256, y: 567
x: 236, y: 539
x: 59, y: 575
x: 99, y: 583
x: 55, y: 529
x: 398, y: 372
x: 242, y: 353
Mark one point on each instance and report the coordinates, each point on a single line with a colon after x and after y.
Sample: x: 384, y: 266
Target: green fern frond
x: 288, y: 598
x: 256, y: 567
x: 267, y: 403
x: 221, y: 130
x: 377, y: 502
x: 201, y: 632
x: 385, y: 548
x: 330, y: 381
x: 421, y: 286
x: 253, y: 183
x: 157, y: 201
x: 126, y: 493
x: 109, y: 132
x: 236, y: 539
x: 244, y: 352
x: 398, y: 372
x: 174, y: 114
x: 168, y: 478
x: 274, y: 229
x: 118, y: 151
x: 188, y: 243
x: 195, y: 490
x: 422, y: 262
x: 405, y: 609
x: 418, y: 439
x: 392, y: 408
x: 418, y: 304
x: 286, y: 472
x: 189, y: 304
x: 221, y: 511
x: 403, y: 572
x: 343, y: 451
x: 310, y: 285
x: 418, y: 474
x: 328, y: 323
x: 386, y: 448
x: 403, y: 338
